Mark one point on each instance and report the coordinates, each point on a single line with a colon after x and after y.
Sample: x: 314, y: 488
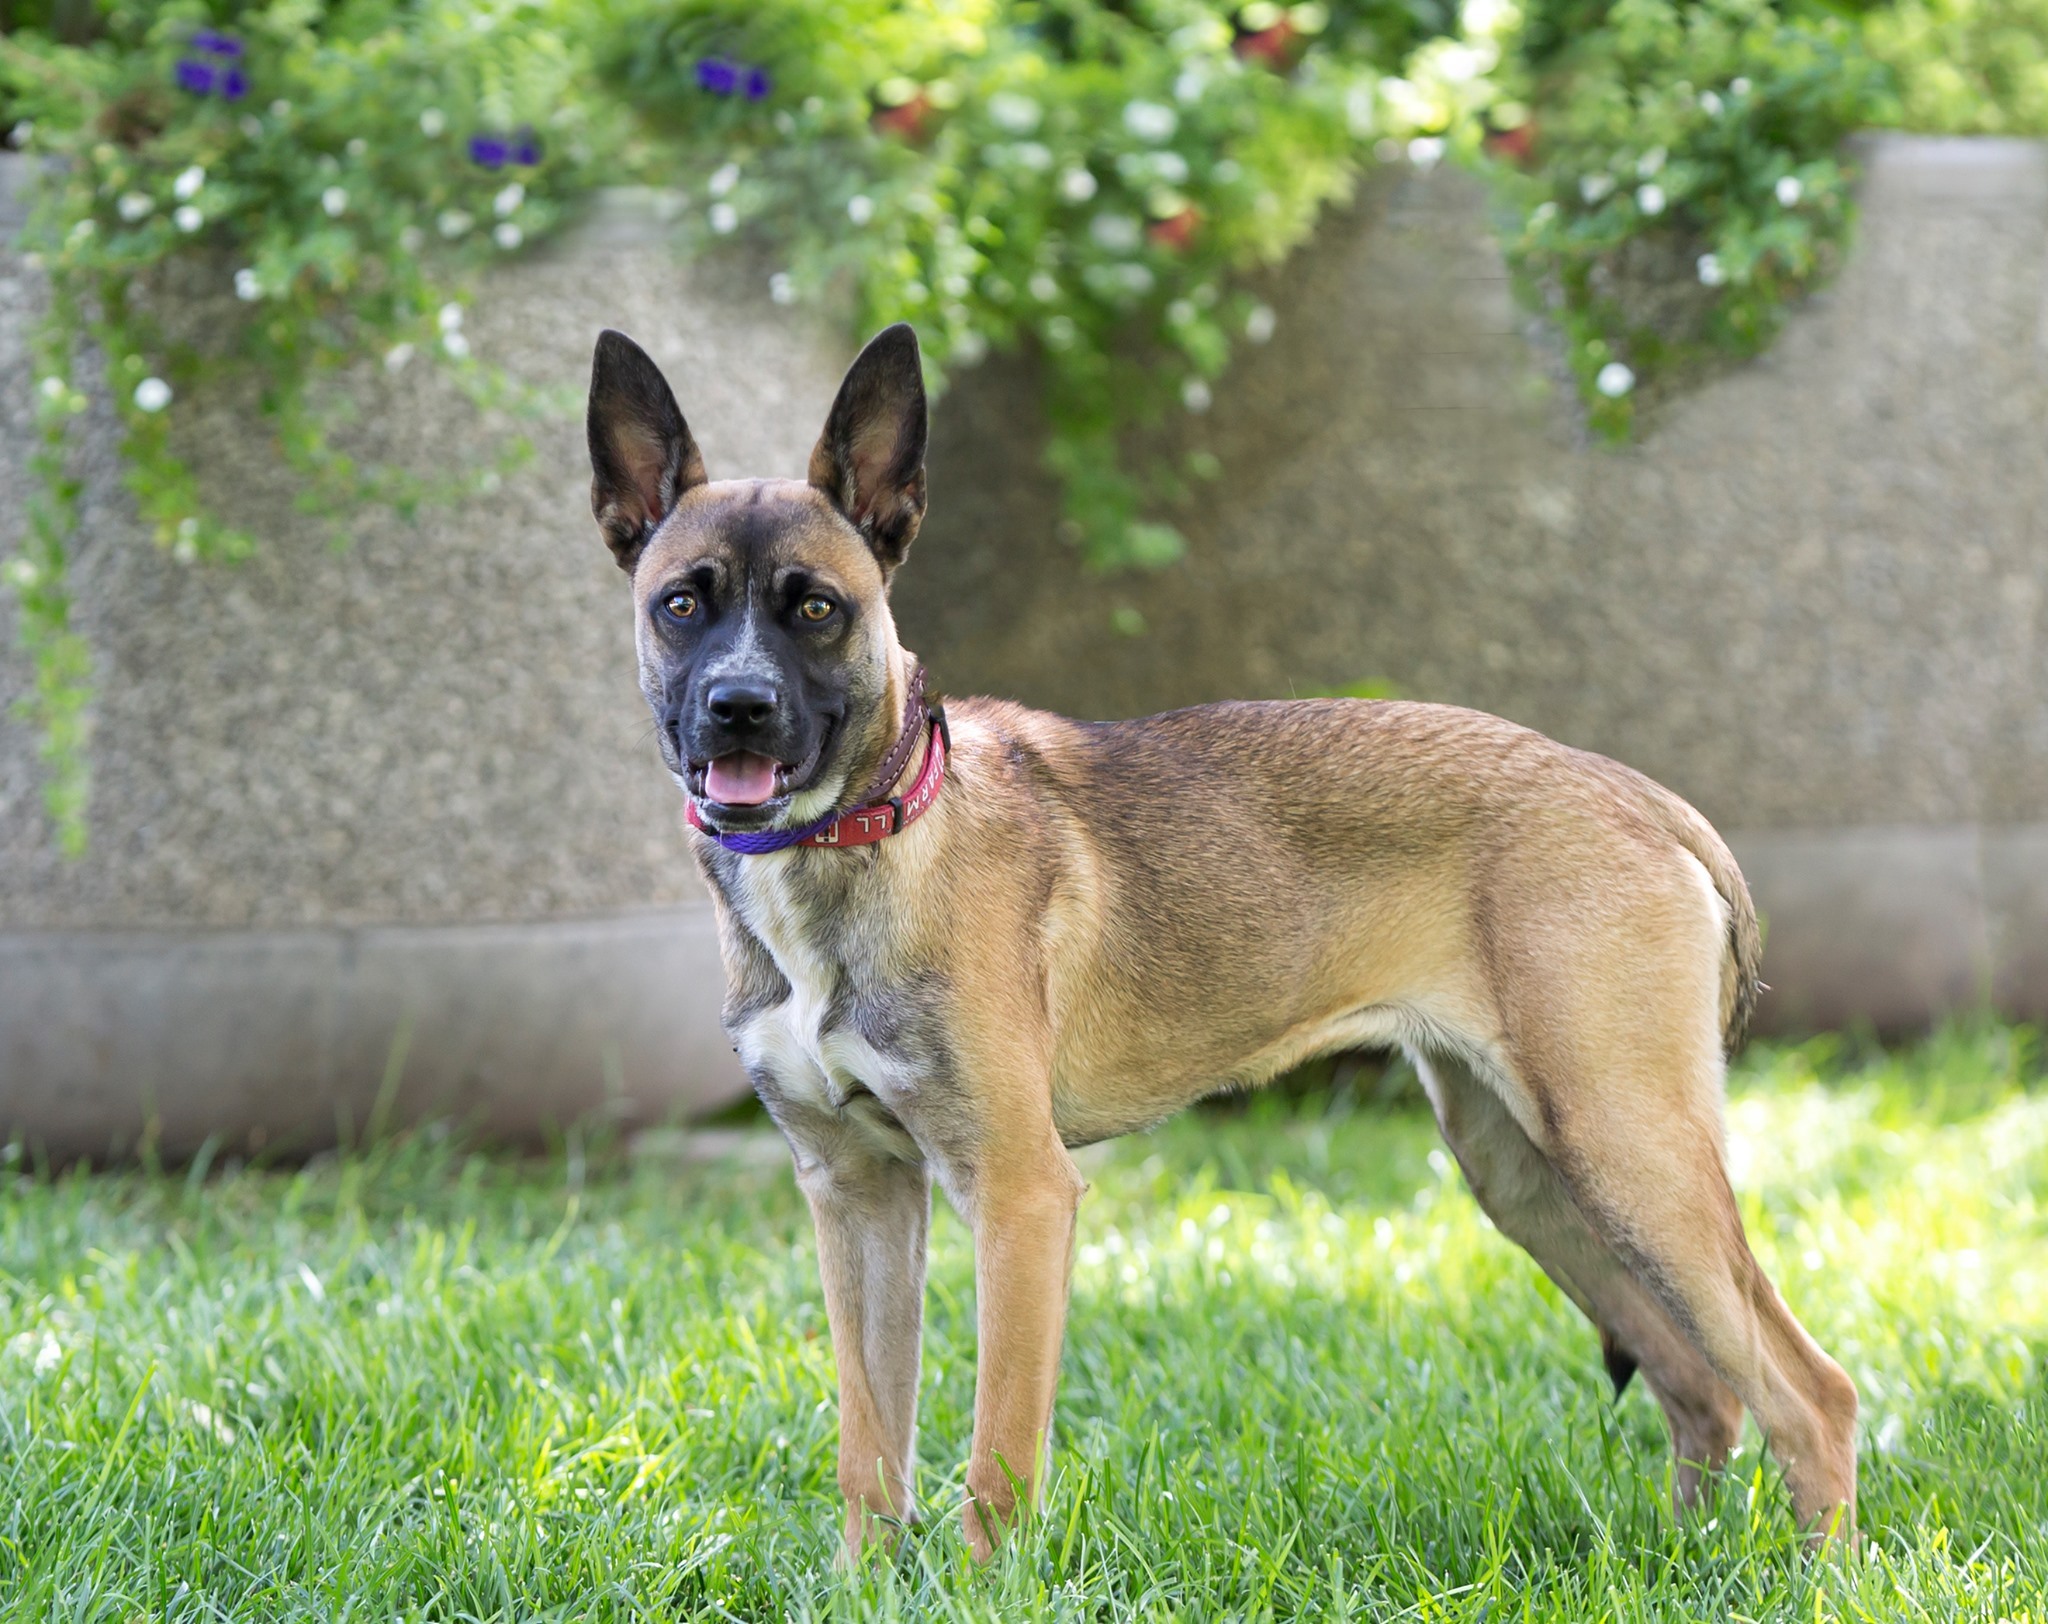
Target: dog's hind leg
x: 1615, y: 1071
x: 1529, y: 1204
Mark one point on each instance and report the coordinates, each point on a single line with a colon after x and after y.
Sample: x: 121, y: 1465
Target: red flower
x: 1516, y: 145
x: 1273, y: 46
x: 910, y: 119
x: 1176, y: 231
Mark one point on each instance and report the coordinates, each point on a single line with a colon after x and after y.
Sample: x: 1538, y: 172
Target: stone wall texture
x: 1809, y: 598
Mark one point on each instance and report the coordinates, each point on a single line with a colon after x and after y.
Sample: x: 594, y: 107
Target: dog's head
x: 766, y: 647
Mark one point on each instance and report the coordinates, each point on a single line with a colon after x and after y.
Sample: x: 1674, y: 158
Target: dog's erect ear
x: 641, y: 454
x: 870, y: 459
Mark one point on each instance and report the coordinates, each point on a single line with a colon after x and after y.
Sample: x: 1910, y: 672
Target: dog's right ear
x: 642, y: 456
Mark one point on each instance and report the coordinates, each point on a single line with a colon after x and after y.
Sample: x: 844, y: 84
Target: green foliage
x: 1304, y: 1379
x: 1964, y: 67
x: 327, y: 199
x: 1684, y: 182
x: 1082, y: 175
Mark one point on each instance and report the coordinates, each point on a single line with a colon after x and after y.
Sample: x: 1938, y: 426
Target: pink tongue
x: 740, y: 779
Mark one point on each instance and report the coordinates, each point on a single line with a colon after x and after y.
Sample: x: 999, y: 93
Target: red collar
x: 864, y: 825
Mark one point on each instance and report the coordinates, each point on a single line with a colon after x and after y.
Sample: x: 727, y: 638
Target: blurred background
x: 1668, y: 375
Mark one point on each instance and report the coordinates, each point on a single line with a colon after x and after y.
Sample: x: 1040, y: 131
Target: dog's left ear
x: 870, y: 459
x: 642, y: 454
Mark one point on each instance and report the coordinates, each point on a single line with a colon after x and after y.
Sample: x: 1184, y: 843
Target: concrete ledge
x: 288, y: 1037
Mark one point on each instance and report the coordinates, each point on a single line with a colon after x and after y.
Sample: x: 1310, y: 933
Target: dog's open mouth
x: 742, y: 781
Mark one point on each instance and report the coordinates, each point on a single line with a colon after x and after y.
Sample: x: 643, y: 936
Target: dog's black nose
x: 741, y: 704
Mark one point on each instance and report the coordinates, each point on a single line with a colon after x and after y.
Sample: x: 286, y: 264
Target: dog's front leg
x: 1023, y: 1212
x: 872, y: 1213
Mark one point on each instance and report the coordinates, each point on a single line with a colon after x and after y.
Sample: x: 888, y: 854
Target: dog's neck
x: 885, y: 729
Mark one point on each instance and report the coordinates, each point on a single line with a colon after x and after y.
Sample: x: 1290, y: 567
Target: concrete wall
x: 363, y: 785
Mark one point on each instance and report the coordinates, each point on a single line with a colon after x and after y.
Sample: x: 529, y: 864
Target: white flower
x: 188, y: 218
x: 1043, y: 287
x: 724, y: 179
x: 1017, y: 114
x: 1710, y: 103
x: 432, y: 121
x: 1650, y: 198
x: 335, y: 201
x: 453, y: 223
x: 1195, y: 395
x: 969, y: 348
x: 53, y: 388
x: 187, y: 184
x: 152, y: 394
x: 135, y: 206
x: 1135, y: 278
x: 723, y: 217
x: 1227, y: 172
x: 1739, y: 87
x: 1595, y: 188
x: 1119, y: 233
x: 1077, y: 185
x: 781, y: 289
x: 248, y: 285
x: 396, y: 357
x: 1361, y: 109
x: 1035, y: 156
x: 1259, y: 323
x: 1060, y: 331
x: 1652, y: 161
x: 1170, y: 167
x: 411, y: 238
x: 280, y: 108
x: 1425, y: 150
x: 1615, y: 380
x: 1712, y: 273
x: 1543, y: 214
x: 507, y: 235
x: 18, y: 137
x: 449, y: 318
x: 1180, y: 312
x: 860, y: 208
x: 83, y: 230
x: 1789, y: 190
x: 456, y: 345
x: 20, y: 573
x: 356, y: 147
x: 1188, y: 87
x: 250, y: 125
x: 1151, y: 121
x: 509, y: 199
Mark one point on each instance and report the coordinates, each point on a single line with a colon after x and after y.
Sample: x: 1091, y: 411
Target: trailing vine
x: 337, y: 174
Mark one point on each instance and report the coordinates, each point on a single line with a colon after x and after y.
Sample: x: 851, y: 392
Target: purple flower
x: 718, y: 76
x: 216, y: 44
x: 757, y: 84
x: 526, y: 147
x: 488, y: 150
x: 234, y: 84
x: 197, y: 77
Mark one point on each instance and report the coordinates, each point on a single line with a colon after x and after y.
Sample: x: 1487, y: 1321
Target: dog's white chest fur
x: 814, y: 1053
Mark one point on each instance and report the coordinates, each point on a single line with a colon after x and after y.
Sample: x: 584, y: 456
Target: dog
x: 960, y: 941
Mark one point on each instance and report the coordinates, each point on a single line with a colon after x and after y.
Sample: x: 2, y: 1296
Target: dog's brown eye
x: 815, y: 609
x: 680, y: 605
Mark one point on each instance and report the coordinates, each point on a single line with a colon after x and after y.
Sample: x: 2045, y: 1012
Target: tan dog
x: 1092, y: 924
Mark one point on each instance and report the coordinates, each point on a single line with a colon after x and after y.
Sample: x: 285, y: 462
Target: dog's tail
x: 1740, y: 983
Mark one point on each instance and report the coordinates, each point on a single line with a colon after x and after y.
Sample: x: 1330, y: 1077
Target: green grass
x: 1304, y: 1378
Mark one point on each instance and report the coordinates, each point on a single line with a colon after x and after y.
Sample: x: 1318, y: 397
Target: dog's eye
x: 680, y: 605
x: 815, y: 609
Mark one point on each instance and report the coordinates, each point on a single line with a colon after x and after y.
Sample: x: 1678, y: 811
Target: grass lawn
x: 1304, y: 1378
